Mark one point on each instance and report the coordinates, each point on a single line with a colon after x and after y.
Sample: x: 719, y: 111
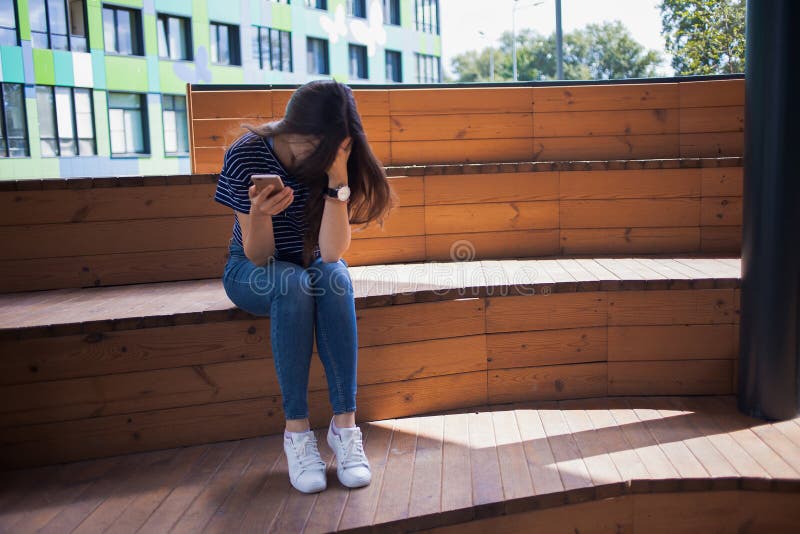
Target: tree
x: 597, y: 52
x: 704, y: 36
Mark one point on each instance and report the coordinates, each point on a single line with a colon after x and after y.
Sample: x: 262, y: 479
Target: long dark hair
x: 326, y: 109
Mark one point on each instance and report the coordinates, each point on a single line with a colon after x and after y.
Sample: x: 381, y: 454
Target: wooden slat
x: 393, y: 501
x: 708, y: 306
x: 660, y: 377
x: 629, y: 240
x: 231, y: 104
x: 670, y: 342
x: 644, y: 184
x: 463, y: 151
x: 600, y: 123
x: 604, y: 147
x: 379, y: 250
x: 545, y: 312
x: 711, y: 93
x: 711, y: 145
x: 486, y: 245
x: 628, y: 213
x: 547, y: 382
x: 402, y: 221
x: 722, y: 181
x: 605, y: 97
x: 491, y: 217
x: 449, y: 101
x: 422, y: 127
x: 712, y: 119
x: 546, y: 347
x: 486, y: 187
x: 721, y: 211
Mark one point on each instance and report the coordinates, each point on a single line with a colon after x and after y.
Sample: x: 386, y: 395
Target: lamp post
x: 559, y: 47
x: 491, y: 55
x: 514, y: 31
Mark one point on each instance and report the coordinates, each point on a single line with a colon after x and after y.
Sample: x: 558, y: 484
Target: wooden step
x: 95, y: 372
x: 633, y: 464
x: 89, y: 232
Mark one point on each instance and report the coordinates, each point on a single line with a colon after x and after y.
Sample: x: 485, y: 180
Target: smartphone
x: 262, y: 180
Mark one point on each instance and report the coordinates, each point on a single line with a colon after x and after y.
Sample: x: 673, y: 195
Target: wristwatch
x: 342, y: 192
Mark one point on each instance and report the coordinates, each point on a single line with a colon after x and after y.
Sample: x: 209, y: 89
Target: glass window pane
x: 116, y: 121
x: 182, y: 131
x: 45, y: 107
x: 286, y: 51
x: 177, y: 50
x: 16, y: 127
x: 163, y: 49
x: 170, y: 137
x: 134, y: 134
x: 109, y: 30
x: 214, y: 43
x: 124, y: 100
x: 124, y: 29
x: 275, y: 45
x: 66, y: 130
x: 37, y: 15
x: 224, y: 48
x: 85, y: 122
x: 77, y: 26
x: 7, y: 17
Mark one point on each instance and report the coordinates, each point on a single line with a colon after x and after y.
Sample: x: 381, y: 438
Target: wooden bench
x: 94, y: 372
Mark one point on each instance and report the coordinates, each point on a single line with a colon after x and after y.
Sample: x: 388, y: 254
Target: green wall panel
x: 150, y: 35
x: 220, y: 74
x: 178, y: 7
x: 44, y: 71
x: 94, y: 15
x: 168, y: 80
x: 63, y: 68
x: 225, y: 12
x: 282, y: 16
x: 100, y: 100
x: 13, y: 69
x: 24, y: 21
x: 126, y: 73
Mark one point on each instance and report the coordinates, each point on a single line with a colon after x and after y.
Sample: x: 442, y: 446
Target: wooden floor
x: 427, y: 471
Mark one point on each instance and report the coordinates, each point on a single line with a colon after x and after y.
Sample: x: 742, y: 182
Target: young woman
x: 285, y: 260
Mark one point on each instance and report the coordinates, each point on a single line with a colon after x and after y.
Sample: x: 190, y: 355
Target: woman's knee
x: 330, y: 277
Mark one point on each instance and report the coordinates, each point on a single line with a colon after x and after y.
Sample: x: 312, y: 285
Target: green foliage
x: 597, y: 52
x: 704, y: 36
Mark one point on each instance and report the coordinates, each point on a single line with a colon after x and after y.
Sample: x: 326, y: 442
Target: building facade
x: 94, y: 88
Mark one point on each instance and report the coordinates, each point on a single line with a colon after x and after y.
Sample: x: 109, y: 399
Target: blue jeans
x: 295, y: 299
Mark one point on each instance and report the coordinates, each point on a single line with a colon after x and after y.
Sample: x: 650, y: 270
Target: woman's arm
x: 258, y: 236
x: 334, y: 231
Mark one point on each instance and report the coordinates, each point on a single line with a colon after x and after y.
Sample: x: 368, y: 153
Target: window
x: 174, y: 37
x: 357, y: 8
x: 280, y: 1
x: 317, y: 4
x: 66, y: 121
x: 58, y: 24
x: 127, y: 118
x: 8, y: 23
x: 224, y: 44
x: 391, y: 12
x: 13, y: 127
x: 394, y: 66
x: 428, y: 69
x: 426, y: 13
x: 317, y: 56
x: 122, y: 31
x: 176, y: 129
x: 273, y: 49
x: 358, y: 61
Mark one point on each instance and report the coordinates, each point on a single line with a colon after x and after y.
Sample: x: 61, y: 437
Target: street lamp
x: 514, y: 31
x: 491, y: 56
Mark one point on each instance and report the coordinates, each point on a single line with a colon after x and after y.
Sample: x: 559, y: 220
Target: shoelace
x: 354, y: 450
x: 307, y: 453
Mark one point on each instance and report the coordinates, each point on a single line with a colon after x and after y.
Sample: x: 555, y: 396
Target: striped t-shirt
x: 252, y: 154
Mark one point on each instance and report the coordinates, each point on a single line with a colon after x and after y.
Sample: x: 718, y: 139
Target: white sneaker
x: 306, y: 468
x: 352, y: 466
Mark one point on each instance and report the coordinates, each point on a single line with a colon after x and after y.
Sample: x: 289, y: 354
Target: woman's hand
x: 337, y: 173
x: 262, y: 204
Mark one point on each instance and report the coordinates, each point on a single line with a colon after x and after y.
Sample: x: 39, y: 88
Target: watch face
x: 343, y: 193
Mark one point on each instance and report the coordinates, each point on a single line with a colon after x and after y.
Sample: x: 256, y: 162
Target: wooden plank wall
x: 506, y: 124
x: 153, y: 388
x: 99, y: 236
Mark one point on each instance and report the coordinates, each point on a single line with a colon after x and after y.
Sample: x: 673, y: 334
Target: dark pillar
x: 769, y: 356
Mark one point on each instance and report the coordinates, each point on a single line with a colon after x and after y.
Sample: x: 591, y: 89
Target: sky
x: 462, y: 19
